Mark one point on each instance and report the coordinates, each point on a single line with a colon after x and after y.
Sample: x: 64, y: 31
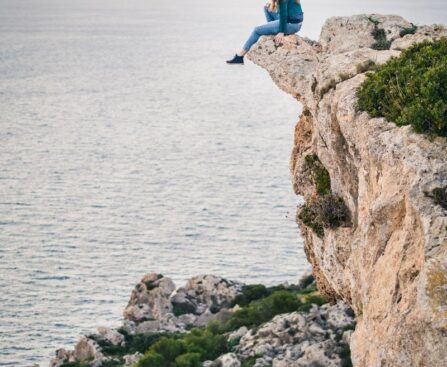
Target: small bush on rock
x: 318, y: 173
x: 152, y: 359
x: 382, y: 43
x: 251, y: 293
x: 133, y: 343
x: 439, y: 196
x: 410, y: 89
x: 263, y: 310
x: 310, y: 218
x: 409, y: 30
x: 327, y: 211
x: 188, y: 360
x: 187, y: 350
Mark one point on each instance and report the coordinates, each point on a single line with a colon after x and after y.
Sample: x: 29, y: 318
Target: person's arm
x: 283, y: 13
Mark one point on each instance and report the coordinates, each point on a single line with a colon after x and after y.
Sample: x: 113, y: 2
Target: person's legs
x: 262, y: 30
x: 270, y: 16
x: 270, y: 28
x: 293, y: 28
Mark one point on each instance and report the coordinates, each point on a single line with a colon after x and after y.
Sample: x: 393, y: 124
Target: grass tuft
x: 382, y: 43
x: 318, y: 173
x: 409, y: 30
x: 365, y: 66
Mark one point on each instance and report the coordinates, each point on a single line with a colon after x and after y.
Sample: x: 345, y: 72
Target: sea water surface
x: 128, y: 146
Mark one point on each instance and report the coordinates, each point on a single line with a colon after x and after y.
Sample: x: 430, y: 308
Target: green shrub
x: 409, y: 30
x: 315, y: 299
x: 382, y: 43
x: 112, y: 363
x: 188, y: 360
x: 234, y: 342
x: 327, y: 211
x: 263, y: 310
x: 307, y: 281
x: 186, y: 350
x: 410, y: 89
x: 169, y: 348
x: 207, y: 342
x: 309, y: 216
x: 251, y: 293
x: 179, y: 309
x: 333, y: 211
x: 345, y: 355
x: 439, y: 196
x: 152, y: 359
x: 318, y: 173
x: 133, y: 343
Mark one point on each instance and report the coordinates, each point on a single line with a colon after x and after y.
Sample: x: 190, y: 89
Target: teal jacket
x: 289, y: 10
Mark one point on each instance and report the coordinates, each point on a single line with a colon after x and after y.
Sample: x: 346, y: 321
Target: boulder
x: 150, y: 299
x: 205, y: 292
x: 109, y: 335
x: 87, y: 350
x: 62, y: 356
x: 132, y: 359
x: 227, y: 360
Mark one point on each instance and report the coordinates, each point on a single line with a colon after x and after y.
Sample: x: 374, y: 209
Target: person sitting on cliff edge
x: 284, y: 17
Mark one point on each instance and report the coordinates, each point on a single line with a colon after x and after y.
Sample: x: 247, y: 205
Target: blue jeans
x: 270, y: 28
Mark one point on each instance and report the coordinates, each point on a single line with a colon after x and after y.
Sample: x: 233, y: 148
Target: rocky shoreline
x: 318, y: 335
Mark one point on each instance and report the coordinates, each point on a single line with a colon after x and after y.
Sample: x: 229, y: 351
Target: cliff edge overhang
x: 390, y: 262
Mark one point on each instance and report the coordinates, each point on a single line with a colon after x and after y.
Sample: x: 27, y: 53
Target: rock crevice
x: 390, y: 263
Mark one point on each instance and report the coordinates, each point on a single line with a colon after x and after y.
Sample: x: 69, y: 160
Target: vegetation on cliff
x: 439, y: 196
x: 325, y: 210
x: 379, y: 34
x: 410, y: 89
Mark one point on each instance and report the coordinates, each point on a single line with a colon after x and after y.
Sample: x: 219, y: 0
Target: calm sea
x: 128, y: 146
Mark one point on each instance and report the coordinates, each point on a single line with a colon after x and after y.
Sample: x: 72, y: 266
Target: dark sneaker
x: 236, y: 60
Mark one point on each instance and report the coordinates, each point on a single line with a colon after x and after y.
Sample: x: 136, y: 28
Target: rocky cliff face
x: 390, y: 261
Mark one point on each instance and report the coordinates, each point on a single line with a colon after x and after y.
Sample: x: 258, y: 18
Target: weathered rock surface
x: 390, y: 265
x: 150, y: 299
x: 205, y: 292
x: 228, y: 360
x: 301, y: 339
x: 86, y: 350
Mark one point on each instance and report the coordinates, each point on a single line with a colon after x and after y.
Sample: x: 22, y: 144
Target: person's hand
x: 279, y: 37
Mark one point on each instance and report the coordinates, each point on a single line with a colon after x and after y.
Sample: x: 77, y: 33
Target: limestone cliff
x: 390, y: 261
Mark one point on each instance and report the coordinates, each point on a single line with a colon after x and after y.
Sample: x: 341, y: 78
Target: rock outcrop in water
x: 316, y: 335
x: 388, y: 260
